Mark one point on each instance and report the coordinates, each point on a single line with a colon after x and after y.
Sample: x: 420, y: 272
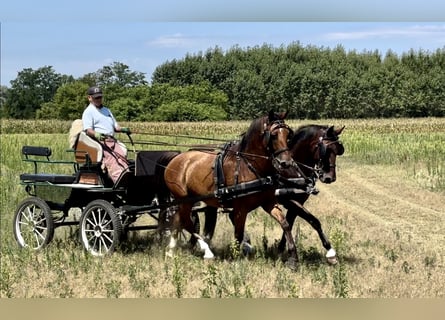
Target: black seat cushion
x: 47, y: 177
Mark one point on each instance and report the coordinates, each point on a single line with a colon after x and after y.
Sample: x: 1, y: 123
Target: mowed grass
x: 384, y: 216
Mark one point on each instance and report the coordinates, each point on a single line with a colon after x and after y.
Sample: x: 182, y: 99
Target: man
x: 99, y: 122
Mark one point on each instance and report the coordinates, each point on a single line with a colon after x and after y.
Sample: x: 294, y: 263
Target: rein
x: 178, y: 136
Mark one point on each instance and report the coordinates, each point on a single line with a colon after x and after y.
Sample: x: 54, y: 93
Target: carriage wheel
x: 33, y: 224
x: 100, y: 228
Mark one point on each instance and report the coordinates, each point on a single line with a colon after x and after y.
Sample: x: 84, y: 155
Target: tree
x: 187, y: 103
x: 184, y: 110
x: 116, y: 74
x: 3, y: 94
x: 31, y: 89
x: 68, y: 103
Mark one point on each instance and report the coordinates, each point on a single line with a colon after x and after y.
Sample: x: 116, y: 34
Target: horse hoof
x: 292, y: 264
x: 209, y: 256
x: 332, y: 260
x: 247, y: 249
x: 331, y: 256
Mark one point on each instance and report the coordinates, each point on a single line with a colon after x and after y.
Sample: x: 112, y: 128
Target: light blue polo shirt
x: 100, y: 120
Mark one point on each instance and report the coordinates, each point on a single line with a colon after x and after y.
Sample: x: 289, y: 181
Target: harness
x: 226, y: 193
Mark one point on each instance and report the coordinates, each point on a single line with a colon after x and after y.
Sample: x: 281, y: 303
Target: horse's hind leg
x: 186, y: 222
x: 181, y: 219
x: 315, y: 223
x: 175, y: 224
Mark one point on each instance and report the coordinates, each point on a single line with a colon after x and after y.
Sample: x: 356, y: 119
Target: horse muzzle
x: 327, y: 178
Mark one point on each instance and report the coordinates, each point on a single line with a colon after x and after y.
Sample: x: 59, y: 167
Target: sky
x: 83, y: 36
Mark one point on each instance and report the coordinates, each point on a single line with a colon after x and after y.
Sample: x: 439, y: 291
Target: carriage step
x: 45, y: 177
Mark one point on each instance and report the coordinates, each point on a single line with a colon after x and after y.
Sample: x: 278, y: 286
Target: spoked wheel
x: 33, y: 224
x: 100, y: 228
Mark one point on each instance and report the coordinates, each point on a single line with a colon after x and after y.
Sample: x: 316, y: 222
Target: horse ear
x: 330, y: 131
x: 271, y: 116
x: 284, y: 114
x: 339, y: 131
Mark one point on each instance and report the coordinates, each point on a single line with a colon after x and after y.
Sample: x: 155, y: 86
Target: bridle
x: 323, y: 155
x: 270, y: 135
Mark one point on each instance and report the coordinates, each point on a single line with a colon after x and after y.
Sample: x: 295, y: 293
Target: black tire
x: 100, y: 228
x: 33, y: 224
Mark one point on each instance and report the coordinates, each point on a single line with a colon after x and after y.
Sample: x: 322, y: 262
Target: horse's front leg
x: 210, y: 214
x: 238, y: 219
x: 331, y: 255
x: 277, y: 214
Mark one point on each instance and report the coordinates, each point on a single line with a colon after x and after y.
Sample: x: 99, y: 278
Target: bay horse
x: 197, y: 175
x: 314, y: 148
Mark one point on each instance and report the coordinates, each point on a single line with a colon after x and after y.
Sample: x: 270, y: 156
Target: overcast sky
x: 83, y: 36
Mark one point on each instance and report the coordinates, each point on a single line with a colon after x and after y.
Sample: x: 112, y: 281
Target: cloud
x: 416, y: 31
x: 176, y: 40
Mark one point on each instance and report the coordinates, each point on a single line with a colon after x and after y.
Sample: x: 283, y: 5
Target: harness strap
x: 218, y: 171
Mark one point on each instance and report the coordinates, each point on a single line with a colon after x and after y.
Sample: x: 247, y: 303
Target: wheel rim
x: 98, y: 234
x: 31, y: 226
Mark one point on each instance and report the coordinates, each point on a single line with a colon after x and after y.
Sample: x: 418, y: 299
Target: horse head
x: 315, y: 149
x: 276, y: 135
x: 329, y: 147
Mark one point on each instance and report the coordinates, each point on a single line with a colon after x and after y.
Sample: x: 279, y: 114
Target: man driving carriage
x: 99, y: 123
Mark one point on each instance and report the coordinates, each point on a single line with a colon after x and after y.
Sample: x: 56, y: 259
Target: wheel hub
x: 97, y: 231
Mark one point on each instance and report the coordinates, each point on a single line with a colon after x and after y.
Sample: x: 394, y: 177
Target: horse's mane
x: 306, y: 131
x: 251, y: 133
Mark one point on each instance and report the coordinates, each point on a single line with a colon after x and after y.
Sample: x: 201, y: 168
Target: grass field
x: 385, y: 216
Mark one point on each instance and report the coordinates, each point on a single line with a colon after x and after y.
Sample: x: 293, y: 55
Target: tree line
x: 240, y: 84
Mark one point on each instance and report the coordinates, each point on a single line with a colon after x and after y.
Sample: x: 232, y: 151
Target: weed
x: 113, y: 288
x: 340, y: 281
x: 178, y: 276
x: 391, y: 254
x: 406, y: 267
x: 235, y: 249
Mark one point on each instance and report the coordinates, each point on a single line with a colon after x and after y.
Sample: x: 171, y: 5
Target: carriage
x: 108, y: 211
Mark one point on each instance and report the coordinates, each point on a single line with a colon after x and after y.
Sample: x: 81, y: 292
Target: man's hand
x: 99, y: 136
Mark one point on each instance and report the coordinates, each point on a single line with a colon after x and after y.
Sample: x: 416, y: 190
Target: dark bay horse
x: 197, y: 175
x: 314, y: 149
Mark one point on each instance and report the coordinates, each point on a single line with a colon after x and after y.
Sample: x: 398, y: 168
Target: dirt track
x: 386, y: 199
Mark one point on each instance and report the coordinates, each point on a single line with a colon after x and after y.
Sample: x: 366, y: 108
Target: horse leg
x: 277, y: 214
x: 291, y: 215
x: 238, y: 219
x: 208, y: 254
x: 315, y: 223
x: 175, y: 225
x: 183, y: 220
x: 210, y: 214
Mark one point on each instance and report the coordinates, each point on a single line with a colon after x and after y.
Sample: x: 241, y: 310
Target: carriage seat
x: 41, y: 155
x: 87, y: 150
